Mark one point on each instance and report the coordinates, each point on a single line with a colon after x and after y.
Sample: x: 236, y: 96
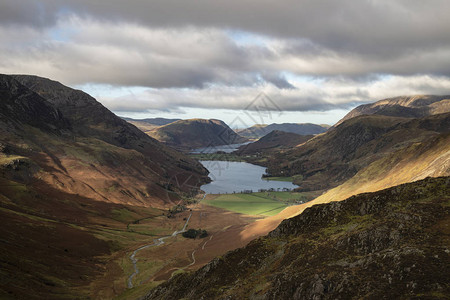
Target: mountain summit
x: 403, y: 106
x: 196, y: 133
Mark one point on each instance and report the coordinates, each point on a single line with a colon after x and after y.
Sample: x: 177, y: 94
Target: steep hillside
x: 73, y: 176
x: 196, y: 133
x: 274, y: 141
x: 75, y: 143
x: 419, y: 160
x: 260, y: 130
x: 330, y: 159
x: 404, y: 106
x: 391, y: 244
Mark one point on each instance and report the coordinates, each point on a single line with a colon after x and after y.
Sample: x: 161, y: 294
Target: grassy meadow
x: 261, y: 203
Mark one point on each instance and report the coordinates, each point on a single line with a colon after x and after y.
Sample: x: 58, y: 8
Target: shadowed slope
x: 72, y: 177
x: 260, y: 130
x: 75, y: 143
x: 274, y: 141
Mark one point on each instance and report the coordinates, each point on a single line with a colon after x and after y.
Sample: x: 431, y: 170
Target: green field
x: 264, y: 203
x: 289, y: 179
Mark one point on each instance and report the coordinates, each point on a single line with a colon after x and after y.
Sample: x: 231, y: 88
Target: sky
x: 245, y: 62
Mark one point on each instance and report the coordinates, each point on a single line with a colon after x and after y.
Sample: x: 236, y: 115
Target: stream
x: 156, y: 242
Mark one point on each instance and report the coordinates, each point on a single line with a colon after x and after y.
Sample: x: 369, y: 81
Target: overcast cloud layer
x: 306, y: 55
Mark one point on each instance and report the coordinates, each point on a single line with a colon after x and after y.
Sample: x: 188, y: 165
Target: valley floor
x: 177, y: 254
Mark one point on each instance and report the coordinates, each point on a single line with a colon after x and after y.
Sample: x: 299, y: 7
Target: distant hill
x: 149, y: 124
x: 196, y: 133
x: 389, y: 244
x: 274, y: 141
x: 330, y: 159
x: 153, y: 121
x: 404, y: 106
x: 260, y: 130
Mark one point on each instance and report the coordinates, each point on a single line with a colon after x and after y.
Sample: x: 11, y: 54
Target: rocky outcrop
x: 391, y: 244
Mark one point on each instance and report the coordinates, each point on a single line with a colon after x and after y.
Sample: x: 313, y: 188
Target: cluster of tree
x: 275, y: 190
x: 194, y: 233
x: 175, y: 210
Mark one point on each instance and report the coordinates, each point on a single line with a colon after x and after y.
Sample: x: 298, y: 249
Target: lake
x: 229, y: 177
x: 213, y: 149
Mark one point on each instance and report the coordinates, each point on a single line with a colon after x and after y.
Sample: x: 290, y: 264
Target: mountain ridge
x: 273, y: 141
x: 330, y: 159
x: 90, y: 144
x: 260, y: 130
x: 196, y: 133
x: 416, y: 106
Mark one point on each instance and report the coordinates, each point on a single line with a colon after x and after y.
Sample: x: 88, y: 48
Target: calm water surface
x: 223, y: 148
x: 229, y: 177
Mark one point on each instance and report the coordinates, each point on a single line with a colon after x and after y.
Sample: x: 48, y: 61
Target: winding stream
x: 156, y: 242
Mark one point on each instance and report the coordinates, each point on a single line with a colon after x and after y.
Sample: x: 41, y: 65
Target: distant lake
x: 229, y: 177
x: 213, y: 149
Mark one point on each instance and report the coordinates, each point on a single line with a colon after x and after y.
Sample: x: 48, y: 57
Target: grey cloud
x: 127, y: 54
x: 29, y: 13
x: 186, y: 51
x: 277, y: 80
x: 379, y: 28
x: 332, y: 94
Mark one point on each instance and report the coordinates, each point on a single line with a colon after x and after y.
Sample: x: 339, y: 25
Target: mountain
x: 153, y: 121
x: 330, y: 159
x: 149, y: 124
x: 391, y: 244
x: 260, y: 130
x: 404, y: 106
x: 73, y: 177
x: 274, y: 141
x: 77, y: 144
x: 196, y: 133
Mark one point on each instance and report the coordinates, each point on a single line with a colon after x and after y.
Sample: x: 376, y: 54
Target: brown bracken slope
x: 330, y: 159
x: 68, y: 140
x: 72, y: 177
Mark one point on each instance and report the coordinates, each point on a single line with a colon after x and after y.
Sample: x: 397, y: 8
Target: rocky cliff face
x: 20, y: 105
x: 391, y: 244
